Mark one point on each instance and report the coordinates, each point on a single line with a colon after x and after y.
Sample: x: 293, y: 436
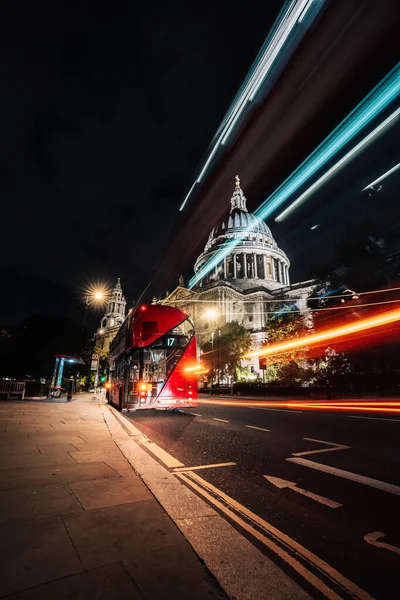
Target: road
x: 333, y: 487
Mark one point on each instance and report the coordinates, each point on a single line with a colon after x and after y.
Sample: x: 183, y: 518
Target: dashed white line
x: 258, y: 428
x: 190, y: 413
x: 222, y: 420
x: 374, y: 419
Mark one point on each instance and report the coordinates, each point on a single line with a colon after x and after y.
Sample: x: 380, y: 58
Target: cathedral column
x: 265, y: 266
x: 244, y: 265
x: 225, y: 267
x: 234, y: 266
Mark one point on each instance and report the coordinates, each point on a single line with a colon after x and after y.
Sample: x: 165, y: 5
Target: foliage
x: 334, y: 370
x: 283, y: 326
x: 222, y: 356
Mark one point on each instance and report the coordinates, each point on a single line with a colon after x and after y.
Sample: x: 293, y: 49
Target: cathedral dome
x: 255, y: 255
x: 239, y: 221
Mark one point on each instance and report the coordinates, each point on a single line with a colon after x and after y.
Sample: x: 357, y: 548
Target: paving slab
x: 110, y: 492
x: 29, y: 503
x: 110, y: 582
x: 94, y: 455
x: 120, y: 466
x: 177, y: 574
x: 109, y: 534
x: 16, y: 461
x: 46, y: 447
x: 35, y: 552
x: 48, y: 475
x: 29, y: 448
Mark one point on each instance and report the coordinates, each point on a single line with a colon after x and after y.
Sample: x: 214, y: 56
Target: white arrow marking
x: 371, y: 538
x: 332, y: 449
x: 282, y: 483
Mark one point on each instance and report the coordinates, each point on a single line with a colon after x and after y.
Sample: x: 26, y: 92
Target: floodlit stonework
x: 247, y: 285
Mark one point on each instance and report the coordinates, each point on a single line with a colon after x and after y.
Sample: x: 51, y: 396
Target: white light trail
x: 187, y: 196
x: 349, y: 155
x: 303, y: 14
x: 267, y: 61
x: 382, y: 177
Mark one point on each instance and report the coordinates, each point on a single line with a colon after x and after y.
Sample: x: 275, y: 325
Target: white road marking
x: 375, y: 483
x: 374, y: 419
x: 282, y: 483
x: 258, y: 428
x: 332, y: 449
x: 371, y: 538
x: 183, y: 469
x: 222, y: 420
x: 184, y: 412
x: 227, y: 505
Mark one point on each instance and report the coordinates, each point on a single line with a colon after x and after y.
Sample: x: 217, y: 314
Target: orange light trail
x: 320, y: 405
x: 329, y: 334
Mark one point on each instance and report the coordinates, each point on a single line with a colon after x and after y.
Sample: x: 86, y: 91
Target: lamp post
x: 213, y: 314
x: 218, y: 380
x: 212, y: 361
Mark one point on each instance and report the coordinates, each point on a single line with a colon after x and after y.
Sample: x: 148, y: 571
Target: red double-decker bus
x: 153, y: 360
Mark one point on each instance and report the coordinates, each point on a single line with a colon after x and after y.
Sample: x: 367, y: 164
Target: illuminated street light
x: 96, y: 295
x: 211, y: 313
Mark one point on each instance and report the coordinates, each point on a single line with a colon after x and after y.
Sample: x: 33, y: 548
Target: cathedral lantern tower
x: 115, y: 310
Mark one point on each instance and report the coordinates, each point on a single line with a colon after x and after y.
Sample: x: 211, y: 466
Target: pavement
x: 76, y: 520
x: 315, y: 492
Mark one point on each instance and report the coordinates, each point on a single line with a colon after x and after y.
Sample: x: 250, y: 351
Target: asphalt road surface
x: 334, y: 483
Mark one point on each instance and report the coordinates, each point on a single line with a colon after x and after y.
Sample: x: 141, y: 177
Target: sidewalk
x: 76, y: 521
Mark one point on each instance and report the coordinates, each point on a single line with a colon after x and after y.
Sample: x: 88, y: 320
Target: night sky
x: 106, y: 112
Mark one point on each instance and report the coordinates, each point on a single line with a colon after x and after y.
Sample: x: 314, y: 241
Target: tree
x: 222, y: 356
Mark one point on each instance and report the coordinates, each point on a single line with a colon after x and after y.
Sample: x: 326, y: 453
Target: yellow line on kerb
x: 203, y: 487
x: 227, y: 464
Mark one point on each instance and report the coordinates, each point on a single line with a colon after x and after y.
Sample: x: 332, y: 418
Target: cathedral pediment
x: 179, y: 293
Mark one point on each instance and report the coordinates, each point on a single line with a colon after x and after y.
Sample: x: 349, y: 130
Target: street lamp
x: 96, y: 296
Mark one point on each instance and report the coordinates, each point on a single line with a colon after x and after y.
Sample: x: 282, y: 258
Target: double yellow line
x: 310, y: 567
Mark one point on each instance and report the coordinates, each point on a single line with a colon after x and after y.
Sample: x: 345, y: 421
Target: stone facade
x: 112, y: 319
x: 247, y: 284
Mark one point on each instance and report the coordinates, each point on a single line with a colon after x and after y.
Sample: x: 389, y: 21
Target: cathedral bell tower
x: 115, y: 310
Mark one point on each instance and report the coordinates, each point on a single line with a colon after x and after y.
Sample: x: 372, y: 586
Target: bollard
x: 70, y: 387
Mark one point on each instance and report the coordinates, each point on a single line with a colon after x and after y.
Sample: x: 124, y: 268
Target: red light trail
x: 341, y: 331
x: 384, y: 406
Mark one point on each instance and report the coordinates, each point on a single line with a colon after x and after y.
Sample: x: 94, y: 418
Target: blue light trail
x: 293, y: 21
x: 370, y: 108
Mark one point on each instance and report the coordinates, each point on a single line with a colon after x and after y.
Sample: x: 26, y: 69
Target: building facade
x: 247, y: 285
x: 113, y: 317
